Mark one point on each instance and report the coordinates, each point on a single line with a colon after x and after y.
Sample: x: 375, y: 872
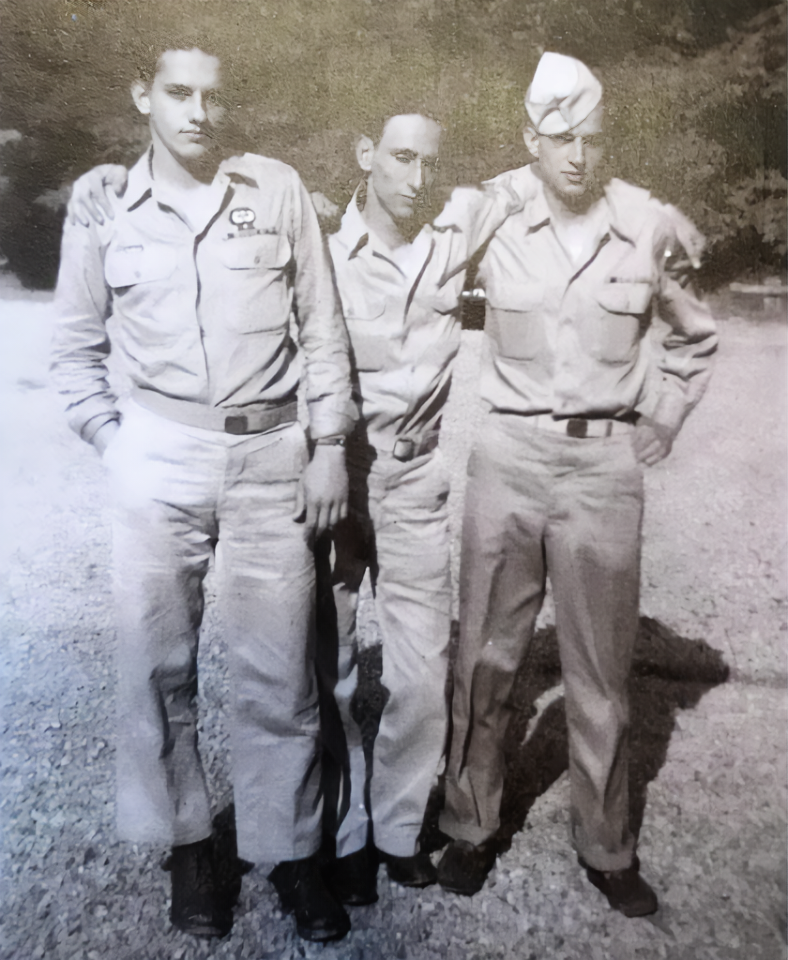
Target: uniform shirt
x: 201, y: 300
x: 402, y: 306
x: 567, y: 338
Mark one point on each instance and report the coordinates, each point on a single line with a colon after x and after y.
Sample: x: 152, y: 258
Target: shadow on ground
x: 669, y: 673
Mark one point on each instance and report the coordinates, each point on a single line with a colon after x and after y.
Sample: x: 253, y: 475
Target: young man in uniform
x: 399, y: 278
x: 200, y: 268
x: 578, y: 404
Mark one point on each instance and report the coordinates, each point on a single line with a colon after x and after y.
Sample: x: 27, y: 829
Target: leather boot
x: 303, y: 893
x: 194, y: 904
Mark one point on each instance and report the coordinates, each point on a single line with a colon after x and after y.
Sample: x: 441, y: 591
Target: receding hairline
x: 395, y: 116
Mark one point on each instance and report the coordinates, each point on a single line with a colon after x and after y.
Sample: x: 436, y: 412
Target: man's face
x: 568, y: 161
x: 183, y: 104
x: 403, y: 165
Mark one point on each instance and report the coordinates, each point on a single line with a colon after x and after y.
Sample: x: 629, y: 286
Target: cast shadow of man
x: 669, y: 673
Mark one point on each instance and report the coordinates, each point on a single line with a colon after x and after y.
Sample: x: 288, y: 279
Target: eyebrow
x: 177, y: 88
x: 414, y: 154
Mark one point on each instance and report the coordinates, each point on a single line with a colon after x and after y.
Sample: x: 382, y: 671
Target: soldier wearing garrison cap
x: 578, y: 403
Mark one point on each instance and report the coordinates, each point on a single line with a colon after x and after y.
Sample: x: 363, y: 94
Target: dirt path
x: 708, y: 780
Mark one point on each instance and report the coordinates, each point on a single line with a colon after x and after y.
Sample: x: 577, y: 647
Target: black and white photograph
x: 394, y: 510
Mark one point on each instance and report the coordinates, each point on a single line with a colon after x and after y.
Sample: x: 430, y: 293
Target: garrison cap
x: 562, y: 94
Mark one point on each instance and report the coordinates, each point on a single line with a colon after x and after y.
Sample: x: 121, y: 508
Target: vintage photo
x: 394, y: 496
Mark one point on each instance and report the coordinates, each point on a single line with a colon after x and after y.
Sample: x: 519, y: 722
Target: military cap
x: 562, y: 94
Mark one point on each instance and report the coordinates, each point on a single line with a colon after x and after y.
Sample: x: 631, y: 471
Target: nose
x: 197, y: 112
x: 578, y: 154
x: 416, y: 178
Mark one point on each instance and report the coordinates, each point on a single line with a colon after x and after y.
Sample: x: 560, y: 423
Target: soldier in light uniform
x: 578, y: 403
x: 400, y: 281
x: 199, y: 269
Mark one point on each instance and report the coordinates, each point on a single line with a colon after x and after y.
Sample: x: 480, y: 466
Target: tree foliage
x: 695, y: 92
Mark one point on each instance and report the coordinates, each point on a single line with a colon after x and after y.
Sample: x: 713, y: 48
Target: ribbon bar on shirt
x: 252, y: 418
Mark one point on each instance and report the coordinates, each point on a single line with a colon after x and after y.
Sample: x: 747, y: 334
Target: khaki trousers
x: 397, y: 527
x: 540, y: 503
x: 178, y: 492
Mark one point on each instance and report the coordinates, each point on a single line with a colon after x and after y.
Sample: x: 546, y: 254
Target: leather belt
x: 580, y: 428
x: 254, y: 418
x: 406, y: 448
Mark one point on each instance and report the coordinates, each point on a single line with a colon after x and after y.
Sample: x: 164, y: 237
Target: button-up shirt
x: 402, y: 307
x: 201, y: 300
x: 569, y: 337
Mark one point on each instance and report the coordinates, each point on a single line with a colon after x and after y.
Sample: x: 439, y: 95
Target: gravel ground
x: 709, y: 709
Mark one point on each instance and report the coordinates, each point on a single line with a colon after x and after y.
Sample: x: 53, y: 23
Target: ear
x: 140, y: 96
x: 365, y: 151
x: 531, y: 141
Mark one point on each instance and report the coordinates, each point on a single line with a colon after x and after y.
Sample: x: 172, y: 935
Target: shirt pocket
x: 128, y: 266
x: 369, y: 347
x: 623, y: 315
x: 255, y: 290
x: 515, y: 320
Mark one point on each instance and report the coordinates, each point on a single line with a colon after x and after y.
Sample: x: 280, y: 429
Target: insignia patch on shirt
x: 242, y: 217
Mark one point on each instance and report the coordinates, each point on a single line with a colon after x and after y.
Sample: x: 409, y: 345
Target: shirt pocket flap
x: 127, y: 266
x: 255, y: 253
x: 360, y: 308
x: 633, y: 298
x: 515, y: 297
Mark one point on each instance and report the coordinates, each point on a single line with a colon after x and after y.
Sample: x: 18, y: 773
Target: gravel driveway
x: 709, y: 710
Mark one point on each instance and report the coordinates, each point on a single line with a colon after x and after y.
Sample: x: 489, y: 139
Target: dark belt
x: 580, y: 428
x: 254, y: 418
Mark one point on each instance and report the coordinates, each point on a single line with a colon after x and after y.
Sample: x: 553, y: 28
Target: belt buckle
x: 577, y: 428
x: 236, y: 424
x: 404, y: 449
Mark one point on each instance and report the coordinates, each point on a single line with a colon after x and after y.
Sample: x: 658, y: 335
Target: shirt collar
x: 141, y: 184
x: 140, y: 181
x: 621, y: 217
x: 355, y: 233
x: 353, y: 230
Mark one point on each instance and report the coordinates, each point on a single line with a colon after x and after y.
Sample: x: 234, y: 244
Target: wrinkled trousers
x: 398, y: 528
x: 540, y: 503
x: 177, y: 493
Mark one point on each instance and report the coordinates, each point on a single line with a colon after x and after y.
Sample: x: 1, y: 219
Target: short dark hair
x: 372, y: 125
x: 149, y: 47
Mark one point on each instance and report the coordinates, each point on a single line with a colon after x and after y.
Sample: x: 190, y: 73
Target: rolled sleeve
x: 80, y: 344
x: 322, y: 334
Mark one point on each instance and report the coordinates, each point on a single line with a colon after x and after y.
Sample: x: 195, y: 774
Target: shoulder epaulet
x: 630, y: 206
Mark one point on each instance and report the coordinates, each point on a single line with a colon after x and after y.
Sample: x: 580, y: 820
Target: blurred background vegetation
x: 695, y: 91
